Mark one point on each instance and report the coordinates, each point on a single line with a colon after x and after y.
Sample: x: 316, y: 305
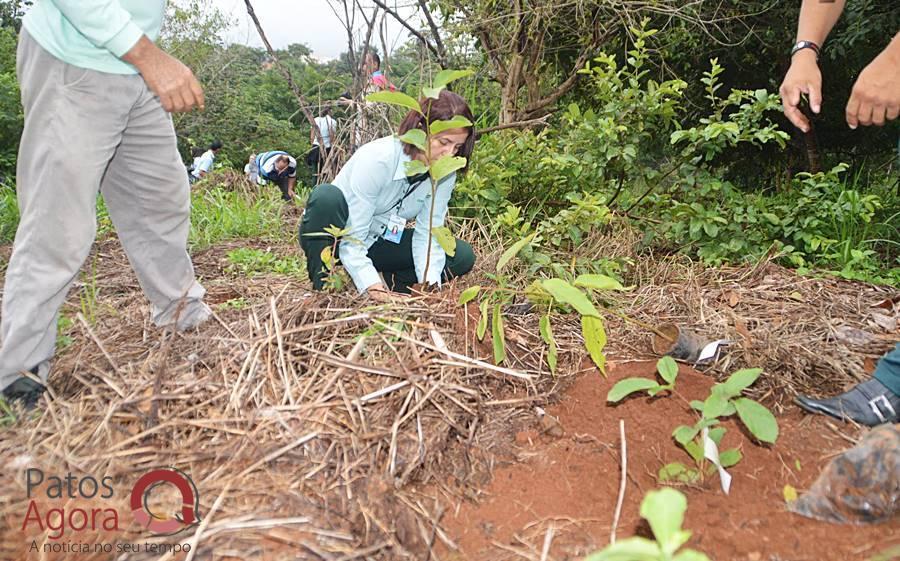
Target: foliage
x: 9, y: 212
x: 664, y: 509
x: 250, y: 262
x: 11, y: 114
x: 668, y: 371
x: 724, y: 400
x: 218, y: 214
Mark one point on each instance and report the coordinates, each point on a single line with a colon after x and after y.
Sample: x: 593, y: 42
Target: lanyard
x: 412, y: 187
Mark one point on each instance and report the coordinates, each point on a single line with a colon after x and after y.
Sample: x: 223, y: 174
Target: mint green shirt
x: 374, y: 183
x: 94, y: 33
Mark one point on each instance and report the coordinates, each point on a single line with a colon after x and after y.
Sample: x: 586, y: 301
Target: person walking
x: 97, y: 94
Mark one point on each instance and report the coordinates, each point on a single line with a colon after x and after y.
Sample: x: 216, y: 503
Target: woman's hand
x: 380, y: 293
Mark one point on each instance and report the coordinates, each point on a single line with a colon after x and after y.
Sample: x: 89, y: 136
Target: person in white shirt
x: 204, y: 163
x: 316, y: 157
x: 251, y: 170
x: 279, y: 168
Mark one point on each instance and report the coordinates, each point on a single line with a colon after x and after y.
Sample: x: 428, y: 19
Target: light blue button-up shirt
x: 94, y: 33
x: 373, y: 182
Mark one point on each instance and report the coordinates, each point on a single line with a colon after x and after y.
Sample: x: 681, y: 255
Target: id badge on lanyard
x: 393, y: 232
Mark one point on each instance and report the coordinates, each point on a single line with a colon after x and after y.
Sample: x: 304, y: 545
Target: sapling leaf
x: 694, y: 450
x: 416, y: 137
x: 457, y: 122
x: 598, y: 282
x: 629, y: 549
x: 690, y: 555
x: 481, y: 328
x: 547, y: 335
x: 730, y: 457
x: 685, y: 434
x: 758, y: 420
x: 697, y: 405
x: 565, y: 293
x: 498, y: 336
x: 444, y: 77
x: 445, y: 239
x: 595, y: 340
x: 415, y: 167
x: 445, y: 166
x: 716, y: 434
x: 667, y: 368
x: 664, y: 510
x: 469, y: 294
x: 628, y: 386
x: 740, y: 380
x: 513, y: 250
x: 395, y: 98
x: 714, y: 406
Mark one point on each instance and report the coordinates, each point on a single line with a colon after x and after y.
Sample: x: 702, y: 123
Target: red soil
x: 572, y: 483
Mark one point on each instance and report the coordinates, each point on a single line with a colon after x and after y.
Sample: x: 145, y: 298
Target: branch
x: 518, y: 124
x: 286, y: 73
x: 412, y: 30
x: 434, y: 31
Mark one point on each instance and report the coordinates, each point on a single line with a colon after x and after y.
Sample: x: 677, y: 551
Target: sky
x: 307, y: 21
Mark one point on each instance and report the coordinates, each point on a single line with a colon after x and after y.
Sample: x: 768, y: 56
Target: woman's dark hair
x: 445, y: 107
x: 216, y: 145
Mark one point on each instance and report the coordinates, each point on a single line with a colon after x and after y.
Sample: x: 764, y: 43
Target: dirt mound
x: 567, y: 487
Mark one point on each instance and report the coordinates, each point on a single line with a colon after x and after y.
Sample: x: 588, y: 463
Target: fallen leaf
x: 741, y: 327
x: 790, y: 494
x: 796, y: 296
x: 884, y: 321
x: 732, y: 297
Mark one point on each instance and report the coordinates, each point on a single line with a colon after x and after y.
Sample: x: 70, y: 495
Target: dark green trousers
x: 327, y: 207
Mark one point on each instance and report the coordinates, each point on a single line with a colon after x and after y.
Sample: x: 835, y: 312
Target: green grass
x: 248, y: 261
x: 218, y: 215
x: 9, y: 213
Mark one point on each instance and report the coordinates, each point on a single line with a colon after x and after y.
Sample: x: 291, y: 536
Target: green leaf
x: 739, y: 381
x: 716, y: 434
x: 457, y: 122
x: 730, y: 457
x: 444, y: 77
x: 416, y: 137
x: 629, y: 549
x: 498, y: 336
x: 445, y: 239
x: 481, y: 328
x: 595, y: 340
x: 677, y: 471
x: 469, y: 294
x: 694, y: 450
x: 667, y: 368
x: 758, y: 420
x: 395, y: 98
x: 415, y: 167
x: 685, y: 434
x: 547, y: 335
x: 565, y: 293
x: 697, y: 405
x: 513, y: 250
x: 664, y: 510
x: 628, y: 386
x: 446, y: 165
x: 598, y: 282
x: 690, y: 555
x: 714, y: 405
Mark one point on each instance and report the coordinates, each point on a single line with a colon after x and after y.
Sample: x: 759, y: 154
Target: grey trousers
x: 89, y: 132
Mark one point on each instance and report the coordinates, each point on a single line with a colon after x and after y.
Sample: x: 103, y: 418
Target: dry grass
x: 315, y: 426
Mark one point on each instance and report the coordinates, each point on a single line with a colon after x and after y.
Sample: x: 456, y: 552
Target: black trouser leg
x: 326, y: 207
x: 283, y: 185
x: 395, y: 262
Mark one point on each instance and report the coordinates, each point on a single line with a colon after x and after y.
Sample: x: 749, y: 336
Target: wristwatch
x: 800, y: 45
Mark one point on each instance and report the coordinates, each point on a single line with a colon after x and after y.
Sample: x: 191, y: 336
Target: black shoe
x: 869, y: 403
x: 24, y: 390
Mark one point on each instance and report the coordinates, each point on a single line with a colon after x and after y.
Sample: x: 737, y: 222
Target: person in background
x: 328, y: 129
x: 91, y: 74
x: 377, y: 79
x: 204, y: 163
x: 373, y: 198
x: 251, y: 171
x: 280, y: 168
x: 874, y: 100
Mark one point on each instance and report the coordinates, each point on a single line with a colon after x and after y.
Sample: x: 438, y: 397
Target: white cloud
x: 311, y: 22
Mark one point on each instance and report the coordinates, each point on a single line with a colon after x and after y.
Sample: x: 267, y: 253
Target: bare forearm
x: 817, y: 18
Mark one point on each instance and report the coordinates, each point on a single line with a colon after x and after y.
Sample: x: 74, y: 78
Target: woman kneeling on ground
x: 372, y: 198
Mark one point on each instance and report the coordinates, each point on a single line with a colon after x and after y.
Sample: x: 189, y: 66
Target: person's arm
x: 420, y: 234
x: 804, y: 77
x: 875, y: 97
x: 173, y: 82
